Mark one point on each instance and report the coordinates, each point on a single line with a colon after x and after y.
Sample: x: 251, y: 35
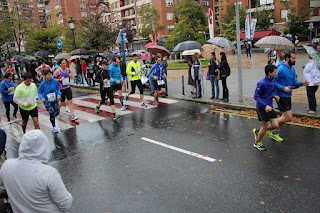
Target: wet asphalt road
x: 107, y: 167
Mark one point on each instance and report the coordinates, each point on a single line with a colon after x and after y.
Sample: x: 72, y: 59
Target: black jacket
x: 213, y: 67
x: 224, y: 69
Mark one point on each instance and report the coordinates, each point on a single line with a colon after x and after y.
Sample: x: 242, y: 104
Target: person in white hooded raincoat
x: 31, y: 185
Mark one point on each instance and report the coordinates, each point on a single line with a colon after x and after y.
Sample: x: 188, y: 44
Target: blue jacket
x: 4, y: 89
x: 115, y: 74
x: 264, y: 92
x: 48, y: 87
x: 157, y: 70
x: 286, y: 77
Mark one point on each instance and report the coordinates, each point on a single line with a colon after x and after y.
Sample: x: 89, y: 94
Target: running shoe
x: 15, y: 118
x: 259, y: 146
x: 9, y: 122
x: 123, y: 107
x: 73, y: 118
x: 68, y: 110
x: 55, y: 130
x: 116, y: 116
x: 255, y: 132
x: 156, y: 103
x: 97, y: 110
x: 126, y: 98
x: 143, y: 104
x: 275, y: 137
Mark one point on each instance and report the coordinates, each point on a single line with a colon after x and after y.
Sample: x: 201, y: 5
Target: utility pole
x: 239, y: 54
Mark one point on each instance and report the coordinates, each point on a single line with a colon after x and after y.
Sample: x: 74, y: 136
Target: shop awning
x: 260, y: 34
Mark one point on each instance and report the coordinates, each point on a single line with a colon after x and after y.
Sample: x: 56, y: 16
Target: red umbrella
x: 158, y: 49
x: 150, y: 45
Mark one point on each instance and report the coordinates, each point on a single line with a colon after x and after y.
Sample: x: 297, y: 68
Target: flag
x: 210, y: 22
x: 253, y: 27
x: 151, y: 37
x: 247, y: 27
x: 158, y: 35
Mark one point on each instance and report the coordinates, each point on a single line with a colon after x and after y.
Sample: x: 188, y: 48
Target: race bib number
x: 32, y: 99
x: 65, y: 82
x: 160, y: 82
x: 11, y: 92
x: 106, y: 85
x: 51, y: 96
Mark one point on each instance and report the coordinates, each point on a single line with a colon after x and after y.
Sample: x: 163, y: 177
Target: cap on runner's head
x: 105, y: 63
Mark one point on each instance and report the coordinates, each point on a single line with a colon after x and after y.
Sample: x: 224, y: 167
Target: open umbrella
x: 275, y: 43
x: 222, y: 42
x: 159, y: 49
x: 187, y: 45
x: 108, y: 55
x: 207, y: 49
x: 87, y: 57
x: 150, y: 45
x: 74, y: 57
x: 315, y: 55
x: 191, y: 52
x: 43, y: 53
x: 62, y: 56
x: 17, y: 58
x: 80, y: 52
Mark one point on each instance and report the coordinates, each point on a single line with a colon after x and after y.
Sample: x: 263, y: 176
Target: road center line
x: 179, y: 150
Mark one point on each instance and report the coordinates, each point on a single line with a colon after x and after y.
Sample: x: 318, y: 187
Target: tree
x: 43, y: 39
x: 297, y: 24
x: 67, y: 41
x: 14, y: 27
x: 230, y: 30
x: 231, y: 15
x: 150, y: 19
x: 263, y: 17
x: 96, y: 34
x: 189, y: 18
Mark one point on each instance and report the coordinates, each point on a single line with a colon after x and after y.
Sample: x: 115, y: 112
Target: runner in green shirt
x: 25, y: 96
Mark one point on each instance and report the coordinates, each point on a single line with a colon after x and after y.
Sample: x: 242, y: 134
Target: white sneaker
x: 311, y: 112
x: 68, y: 110
x: 123, y: 107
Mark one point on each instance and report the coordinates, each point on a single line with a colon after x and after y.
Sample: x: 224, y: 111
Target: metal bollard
x: 183, y: 85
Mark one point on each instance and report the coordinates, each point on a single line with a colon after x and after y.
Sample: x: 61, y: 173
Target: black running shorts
x: 66, y: 93
x: 284, y: 104
x: 25, y: 113
x: 265, y: 116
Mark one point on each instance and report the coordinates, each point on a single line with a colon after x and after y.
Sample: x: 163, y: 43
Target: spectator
x: 190, y: 80
x: 213, y: 75
x: 225, y: 71
x: 144, y: 58
x: 196, y: 73
x: 150, y: 62
x: 31, y: 185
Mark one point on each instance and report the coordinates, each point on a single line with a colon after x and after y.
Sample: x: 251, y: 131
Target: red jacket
x: 84, y: 66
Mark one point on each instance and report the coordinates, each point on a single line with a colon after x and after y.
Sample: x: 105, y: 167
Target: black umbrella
x: 80, y: 52
x: 187, y: 45
x: 246, y: 39
x: 87, y: 57
x: 162, y: 41
x: 17, y: 57
x: 43, y: 53
x: 108, y: 55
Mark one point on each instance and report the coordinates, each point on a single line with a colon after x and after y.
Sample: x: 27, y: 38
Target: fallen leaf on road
x: 93, y: 181
x: 107, y: 157
x: 286, y: 176
x: 215, y: 139
x: 226, y: 119
x: 227, y: 150
x: 186, y: 197
x: 298, y: 178
x: 238, y: 146
x: 132, y: 153
x: 139, y: 192
x: 262, y: 203
x: 109, y: 211
x: 270, y: 157
x: 90, y: 152
x: 127, y: 166
x: 205, y: 155
x: 282, y: 211
x: 245, y: 162
x: 199, y: 132
x: 261, y: 183
x: 227, y: 180
x: 220, y: 160
x: 280, y: 188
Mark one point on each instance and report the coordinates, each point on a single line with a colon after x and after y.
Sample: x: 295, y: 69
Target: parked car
x: 137, y: 52
x: 316, y: 40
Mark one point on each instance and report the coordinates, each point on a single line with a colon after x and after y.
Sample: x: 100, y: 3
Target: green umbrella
x: 62, y: 56
x: 315, y: 55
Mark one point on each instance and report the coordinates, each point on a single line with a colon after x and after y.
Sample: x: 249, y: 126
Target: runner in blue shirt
x: 264, y: 95
x: 7, y: 91
x: 157, y: 74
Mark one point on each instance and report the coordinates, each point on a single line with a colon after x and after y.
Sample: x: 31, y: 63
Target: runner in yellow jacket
x: 133, y: 70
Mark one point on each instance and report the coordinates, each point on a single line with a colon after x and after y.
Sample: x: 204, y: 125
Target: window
x: 126, y: 12
x: 57, y: 6
x: 25, y: 11
x: 150, y: 4
x: 119, y: 14
x: 48, y: 10
x: 170, y: 28
x: 59, y: 15
x: 27, y: 17
x: 216, y: 9
x: 40, y: 5
x: 83, y: 6
x: 169, y: 3
x: 60, y: 21
x: 131, y: 12
x: 43, y: 24
x: 138, y: 7
x: 42, y: 17
x: 284, y: 14
x: 132, y: 22
x: 169, y: 16
x: 221, y: 7
x: 93, y: 13
x: 24, y: 5
x: 216, y: 2
x: 41, y: 11
x: 205, y: 3
x: 83, y: 14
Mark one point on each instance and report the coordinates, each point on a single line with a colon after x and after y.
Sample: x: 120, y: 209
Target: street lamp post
x: 271, y: 22
x: 311, y: 27
x: 71, y: 26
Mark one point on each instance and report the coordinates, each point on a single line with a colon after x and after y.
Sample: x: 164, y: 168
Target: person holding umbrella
x: 196, y: 73
x: 311, y: 73
x: 225, y: 71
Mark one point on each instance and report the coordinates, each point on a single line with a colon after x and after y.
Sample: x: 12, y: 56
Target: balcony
x: 129, y: 17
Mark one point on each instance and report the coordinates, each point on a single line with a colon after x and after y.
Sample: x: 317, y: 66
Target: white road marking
x: 179, y: 150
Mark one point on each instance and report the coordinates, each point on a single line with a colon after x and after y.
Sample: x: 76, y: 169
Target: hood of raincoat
x: 35, y: 146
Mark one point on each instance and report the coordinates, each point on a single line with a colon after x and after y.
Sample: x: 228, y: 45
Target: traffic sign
x: 59, y: 44
x: 119, y: 40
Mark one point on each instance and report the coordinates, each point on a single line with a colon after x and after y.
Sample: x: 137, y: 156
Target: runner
x: 106, y: 89
x: 41, y: 68
x: 7, y: 91
x: 264, y: 95
x: 49, y: 93
x: 115, y: 79
x: 62, y: 76
x: 157, y: 74
x: 133, y: 70
x: 25, y: 96
x: 285, y: 79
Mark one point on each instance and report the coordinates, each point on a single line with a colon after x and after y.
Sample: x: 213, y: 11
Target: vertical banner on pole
x: 253, y: 27
x: 247, y: 27
x: 151, y: 38
x: 210, y: 22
